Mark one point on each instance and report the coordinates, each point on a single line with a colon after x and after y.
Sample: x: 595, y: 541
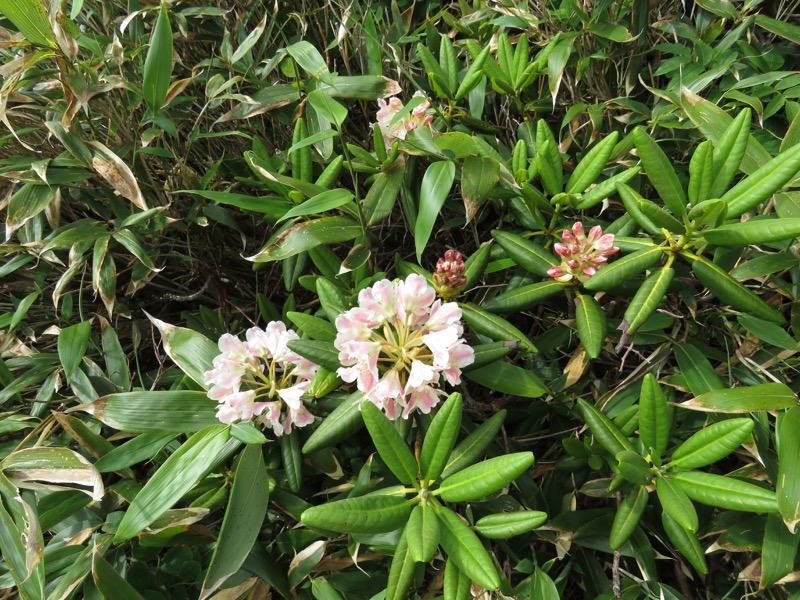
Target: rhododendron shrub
x: 261, y: 378
x: 401, y: 344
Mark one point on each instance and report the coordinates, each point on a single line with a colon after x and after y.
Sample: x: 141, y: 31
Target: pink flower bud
x: 582, y: 255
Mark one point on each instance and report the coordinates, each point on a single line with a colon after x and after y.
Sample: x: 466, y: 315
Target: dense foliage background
x: 175, y: 172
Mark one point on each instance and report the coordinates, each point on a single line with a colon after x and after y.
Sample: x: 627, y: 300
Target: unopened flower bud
x: 448, y: 279
x: 582, y: 255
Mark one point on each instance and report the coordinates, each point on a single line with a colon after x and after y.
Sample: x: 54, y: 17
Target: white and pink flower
x: 399, y: 343
x: 582, y: 255
x: 261, y: 379
x: 392, y: 128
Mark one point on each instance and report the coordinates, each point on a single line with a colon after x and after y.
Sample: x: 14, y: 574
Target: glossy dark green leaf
x: 473, y: 446
x: 623, y: 269
x: 509, y: 379
x: 607, y: 434
x: 158, y: 64
x: 647, y: 298
x: 456, y: 584
x: 440, y: 438
x: 628, y: 515
x: 343, y: 421
x: 485, y: 478
x: 505, y: 525
x: 436, y: 185
x: 591, y: 165
x: 712, y: 443
x: 423, y: 533
x: 72, y: 344
x: 320, y: 352
x: 590, y: 321
x: 465, y: 550
x: 725, y: 492
x: 677, y: 504
x: 391, y: 447
x: 754, y: 231
x: 364, y: 514
x: 524, y: 297
x: 686, y: 543
x: 779, y: 551
x: 660, y: 172
x: 401, y: 572
x: 526, y: 253
x: 110, y: 583
x: 655, y: 419
x: 306, y: 235
x: 493, y: 326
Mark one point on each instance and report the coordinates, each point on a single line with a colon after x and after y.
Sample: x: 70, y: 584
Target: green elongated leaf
x: 465, y: 550
x: 440, y: 438
x: 778, y: 552
x: 785, y: 29
x: 343, y: 421
x: 633, y: 467
x: 309, y: 234
x: 174, y: 411
x: 551, y: 171
x: 193, y: 352
x: 607, y: 434
x: 172, y: 480
x: 139, y: 449
x: 456, y: 584
x: 320, y: 203
x: 730, y: 291
x: 676, y: 504
x: 486, y: 354
x: 247, y: 433
x: 158, y: 64
x: 725, y: 492
x: 542, y: 587
x: 509, y: 379
x: 766, y: 264
x: 655, y: 419
x: 524, y: 297
x: 660, y: 172
x: 14, y: 546
x: 110, y: 583
x: 647, y: 298
x: 318, y: 329
x: 712, y: 443
x: 628, y: 515
x: 423, y: 533
x: 753, y: 398
x: 475, y: 266
x: 493, y: 326
x: 686, y: 543
x: 710, y: 213
x: 714, y: 123
x: 473, y: 75
x: 485, y: 478
x: 605, y: 188
x: 331, y: 298
x: 361, y: 87
x: 333, y: 111
x: 623, y: 269
x: 317, y: 351
x: 382, y: 195
x: 27, y: 202
x: 248, y: 42
x: 755, y: 231
x: 728, y: 153
x: 768, y: 332
x: 633, y: 202
x: 310, y: 60
x: 401, y: 572
x: 527, y: 254
x: 590, y: 321
x: 391, y: 447
x: 322, y: 590
x: 763, y: 183
x: 30, y: 18
x: 591, y: 165
x: 72, y: 344
x: 292, y: 461
x: 788, y: 482
x: 447, y: 59
x: 502, y: 526
x: 435, y: 189
x: 701, y: 173
x: 471, y: 448
x: 273, y: 207
x: 697, y: 370
x: 364, y: 514
x: 479, y: 176
x: 244, y: 515
x: 660, y: 218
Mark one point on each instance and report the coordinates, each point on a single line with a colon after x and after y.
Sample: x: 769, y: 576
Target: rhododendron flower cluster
x: 582, y: 255
x: 261, y: 378
x: 399, y: 343
x: 448, y: 279
x: 418, y: 117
